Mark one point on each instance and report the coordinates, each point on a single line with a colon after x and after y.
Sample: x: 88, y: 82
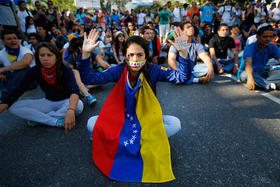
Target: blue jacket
x: 157, y: 73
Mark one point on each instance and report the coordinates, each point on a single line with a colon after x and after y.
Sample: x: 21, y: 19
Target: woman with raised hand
x: 130, y: 135
x: 61, y: 102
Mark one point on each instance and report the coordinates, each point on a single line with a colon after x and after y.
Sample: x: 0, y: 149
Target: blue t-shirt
x: 116, y: 18
x: 260, y: 58
x: 194, y: 48
x: 207, y: 13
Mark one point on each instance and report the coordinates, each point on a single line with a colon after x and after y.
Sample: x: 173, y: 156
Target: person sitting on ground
x: 16, y: 61
x: 61, y: 101
x: 34, y: 41
x: 118, y: 47
x: 207, y: 35
x: 202, y: 73
x: 218, y: 48
x: 43, y: 33
x: 134, y: 103
x: 148, y: 34
x: 72, y: 61
x: 29, y: 25
x: 257, y: 70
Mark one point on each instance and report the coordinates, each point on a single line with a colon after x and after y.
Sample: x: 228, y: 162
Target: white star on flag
x: 135, y: 131
x: 134, y: 125
x: 133, y: 137
x: 125, y: 143
x: 131, y: 141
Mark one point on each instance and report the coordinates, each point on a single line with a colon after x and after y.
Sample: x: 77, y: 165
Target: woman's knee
x: 91, y: 123
x: 80, y: 107
x: 172, y: 125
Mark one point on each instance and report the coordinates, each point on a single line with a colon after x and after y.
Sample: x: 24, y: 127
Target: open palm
x: 180, y: 42
x: 89, y: 41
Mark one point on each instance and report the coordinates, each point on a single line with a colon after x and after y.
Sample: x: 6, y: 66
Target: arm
x: 172, y: 61
x: 3, y: 107
x: 213, y: 56
x: 53, y: 42
x: 206, y: 59
x: 69, y: 119
x: 249, y: 72
x: 115, y: 54
x: 21, y: 64
x: 235, y: 53
x: 87, y: 75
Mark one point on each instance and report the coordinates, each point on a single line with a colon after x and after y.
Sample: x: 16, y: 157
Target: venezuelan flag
x: 87, y: 18
x: 72, y: 35
x: 129, y: 139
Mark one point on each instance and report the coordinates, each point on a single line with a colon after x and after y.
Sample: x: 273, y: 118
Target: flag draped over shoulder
x: 129, y: 140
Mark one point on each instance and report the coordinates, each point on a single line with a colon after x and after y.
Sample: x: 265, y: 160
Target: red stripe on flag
x: 105, y: 136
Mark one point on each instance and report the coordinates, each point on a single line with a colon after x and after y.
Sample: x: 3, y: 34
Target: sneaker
x: 91, y: 99
x: 272, y: 86
x: 203, y: 80
x: 32, y: 123
x: 60, y: 122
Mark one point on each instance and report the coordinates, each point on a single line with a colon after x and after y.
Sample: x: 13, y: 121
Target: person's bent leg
x: 172, y: 125
x: 34, y: 110
x: 62, y: 107
x: 260, y: 79
x: 90, y: 125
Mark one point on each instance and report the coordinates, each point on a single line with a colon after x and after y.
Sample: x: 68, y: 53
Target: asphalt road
x: 230, y: 136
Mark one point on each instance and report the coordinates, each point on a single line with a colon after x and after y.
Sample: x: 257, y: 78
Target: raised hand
x: 180, y: 42
x: 89, y: 41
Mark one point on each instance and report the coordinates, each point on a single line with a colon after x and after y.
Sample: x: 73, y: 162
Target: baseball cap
x: 262, y: 26
x: 119, y: 33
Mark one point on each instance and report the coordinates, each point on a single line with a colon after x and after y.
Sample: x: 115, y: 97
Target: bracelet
x: 71, y: 109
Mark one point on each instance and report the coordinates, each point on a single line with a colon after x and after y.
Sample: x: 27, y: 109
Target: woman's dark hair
x: 27, y: 24
x: 117, y: 44
x: 74, y: 45
x: 60, y: 67
x: 35, y: 35
x: 144, y: 44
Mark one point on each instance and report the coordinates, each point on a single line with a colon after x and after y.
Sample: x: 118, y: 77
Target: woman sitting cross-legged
x: 130, y: 135
x: 61, y: 102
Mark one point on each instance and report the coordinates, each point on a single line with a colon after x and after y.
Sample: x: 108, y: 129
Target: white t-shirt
x: 260, y: 14
x: 31, y: 29
x: 176, y: 15
x: 184, y: 12
x: 4, y: 60
x: 276, y: 14
x: 140, y: 19
x: 227, y: 12
x: 148, y: 19
x: 21, y: 18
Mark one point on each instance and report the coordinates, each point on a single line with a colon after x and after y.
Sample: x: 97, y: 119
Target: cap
x: 262, y: 25
x: 118, y: 33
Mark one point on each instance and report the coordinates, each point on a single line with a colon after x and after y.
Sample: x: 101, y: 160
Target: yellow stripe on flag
x: 164, y: 68
x: 155, y: 148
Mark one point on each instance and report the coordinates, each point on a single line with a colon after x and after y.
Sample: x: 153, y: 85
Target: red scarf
x: 49, y: 75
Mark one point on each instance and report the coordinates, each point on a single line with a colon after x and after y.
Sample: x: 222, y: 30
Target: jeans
x: 172, y: 124
x: 14, y: 79
x: 31, y: 109
x: 263, y: 78
x: 200, y: 70
x: 227, y: 64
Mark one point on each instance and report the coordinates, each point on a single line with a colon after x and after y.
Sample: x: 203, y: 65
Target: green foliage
x: 59, y: 4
